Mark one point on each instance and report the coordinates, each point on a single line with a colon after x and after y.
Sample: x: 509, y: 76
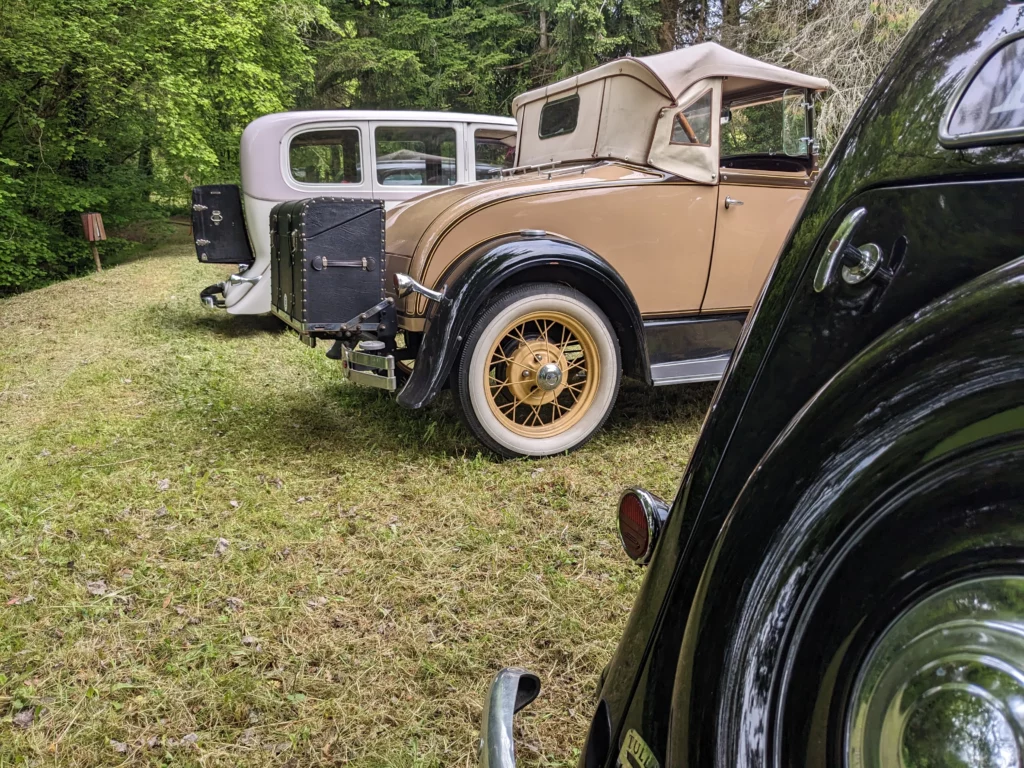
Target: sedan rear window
x: 326, y: 157
x: 559, y: 117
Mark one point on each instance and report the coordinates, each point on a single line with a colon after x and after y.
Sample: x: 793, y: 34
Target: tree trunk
x: 668, y: 31
x: 146, y: 168
x: 731, y: 23
x: 543, y: 30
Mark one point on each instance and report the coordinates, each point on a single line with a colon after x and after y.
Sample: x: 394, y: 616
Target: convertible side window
x: 419, y: 156
x: 559, y: 117
x: 327, y: 156
x: 693, y: 122
x: 992, y: 105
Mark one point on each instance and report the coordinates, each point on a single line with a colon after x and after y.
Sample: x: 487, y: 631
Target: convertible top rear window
x: 559, y: 117
x: 991, y: 106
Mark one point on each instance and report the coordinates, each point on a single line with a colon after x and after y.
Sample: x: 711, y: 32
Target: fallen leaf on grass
x: 22, y: 600
x: 163, y: 485
x: 317, y: 602
x: 96, y: 588
x: 249, y: 738
x: 234, y: 603
x: 251, y: 642
x: 24, y: 718
x: 119, y: 746
x: 234, y: 504
x: 222, y: 546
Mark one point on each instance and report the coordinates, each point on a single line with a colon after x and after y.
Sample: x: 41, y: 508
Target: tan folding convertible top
x: 670, y: 74
x: 626, y: 107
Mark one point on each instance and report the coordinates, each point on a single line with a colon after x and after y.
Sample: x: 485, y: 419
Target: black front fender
x: 913, y: 412
x: 510, y: 261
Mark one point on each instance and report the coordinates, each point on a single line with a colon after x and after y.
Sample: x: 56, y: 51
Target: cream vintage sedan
x: 647, y: 203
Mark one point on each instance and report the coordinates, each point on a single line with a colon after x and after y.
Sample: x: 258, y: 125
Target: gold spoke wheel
x: 542, y: 374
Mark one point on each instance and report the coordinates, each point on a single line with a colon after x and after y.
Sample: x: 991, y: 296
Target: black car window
x: 992, y: 104
x: 559, y: 117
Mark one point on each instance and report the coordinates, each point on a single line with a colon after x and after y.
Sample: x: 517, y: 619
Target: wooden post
x: 92, y: 228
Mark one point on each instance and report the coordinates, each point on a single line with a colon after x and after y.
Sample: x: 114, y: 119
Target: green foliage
x: 121, y: 106
x: 114, y: 106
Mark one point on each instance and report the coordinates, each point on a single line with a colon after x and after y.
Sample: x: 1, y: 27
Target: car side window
x: 326, y: 156
x: 494, y: 150
x: 416, y: 156
x: 693, y: 122
x: 559, y: 117
x: 992, y: 104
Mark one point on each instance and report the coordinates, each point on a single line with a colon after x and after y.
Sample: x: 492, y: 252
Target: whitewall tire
x: 539, y: 371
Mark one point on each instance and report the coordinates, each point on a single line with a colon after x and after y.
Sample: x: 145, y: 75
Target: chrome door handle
x: 858, y: 264
x: 731, y: 201
x: 238, y: 279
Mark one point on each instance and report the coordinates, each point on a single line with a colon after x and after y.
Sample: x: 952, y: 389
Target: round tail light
x: 642, y: 515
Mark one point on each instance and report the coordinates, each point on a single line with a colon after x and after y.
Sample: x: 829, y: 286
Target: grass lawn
x: 213, y: 551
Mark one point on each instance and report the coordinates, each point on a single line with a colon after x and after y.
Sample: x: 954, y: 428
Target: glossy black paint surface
x: 687, y: 338
x: 503, y: 264
x: 943, y: 218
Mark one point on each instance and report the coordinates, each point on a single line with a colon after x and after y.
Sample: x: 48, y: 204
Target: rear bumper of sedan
x: 212, y: 296
x: 511, y: 690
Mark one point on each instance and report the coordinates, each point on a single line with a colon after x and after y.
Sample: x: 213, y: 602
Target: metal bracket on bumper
x: 212, y: 296
x: 369, y: 370
x: 511, y: 690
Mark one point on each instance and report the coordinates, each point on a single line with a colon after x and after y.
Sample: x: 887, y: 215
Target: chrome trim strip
x: 689, y: 371
x: 511, y: 690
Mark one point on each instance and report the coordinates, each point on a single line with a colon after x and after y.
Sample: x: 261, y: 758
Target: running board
x: 689, y: 371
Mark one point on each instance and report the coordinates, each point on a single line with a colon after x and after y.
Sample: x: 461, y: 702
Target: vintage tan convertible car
x: 647, y: 203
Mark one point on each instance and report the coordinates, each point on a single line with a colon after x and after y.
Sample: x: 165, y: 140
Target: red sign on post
x: 92, y: 227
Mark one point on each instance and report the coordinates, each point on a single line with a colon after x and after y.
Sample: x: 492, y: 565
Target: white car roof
x: 261, y: 139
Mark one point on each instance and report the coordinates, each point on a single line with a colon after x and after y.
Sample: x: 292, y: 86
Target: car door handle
x: 731, y: 201
x: 858, y: 263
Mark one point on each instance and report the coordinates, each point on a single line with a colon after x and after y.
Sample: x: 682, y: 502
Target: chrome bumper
x: 212, y: 296
x: 511, y: 690
x: 369, y: 370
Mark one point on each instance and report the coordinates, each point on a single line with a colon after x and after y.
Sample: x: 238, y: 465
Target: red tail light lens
x: 634, y: 530
x: 642, y: 515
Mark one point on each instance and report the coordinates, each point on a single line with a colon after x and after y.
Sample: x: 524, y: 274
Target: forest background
x: 121, y: 106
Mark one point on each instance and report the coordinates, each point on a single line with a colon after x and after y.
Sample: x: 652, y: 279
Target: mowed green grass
x: 213, y: 551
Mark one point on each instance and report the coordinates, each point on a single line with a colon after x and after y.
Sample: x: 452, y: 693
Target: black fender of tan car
x: 831, y: 536
x: 504, y: 263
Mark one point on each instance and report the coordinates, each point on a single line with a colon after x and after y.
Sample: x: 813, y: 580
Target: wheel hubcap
x: 549, y: 376
x: 944, y: 686
x: 542, y: 374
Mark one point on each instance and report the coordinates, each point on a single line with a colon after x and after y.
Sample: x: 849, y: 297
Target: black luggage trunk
x: 218, y: 225
x: 327, y: 267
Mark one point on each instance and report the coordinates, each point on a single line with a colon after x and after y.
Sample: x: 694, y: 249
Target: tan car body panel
x: 747, y: 240
x: 657, y: 236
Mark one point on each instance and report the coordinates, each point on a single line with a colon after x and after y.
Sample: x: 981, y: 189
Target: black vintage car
x: 840, y: 578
